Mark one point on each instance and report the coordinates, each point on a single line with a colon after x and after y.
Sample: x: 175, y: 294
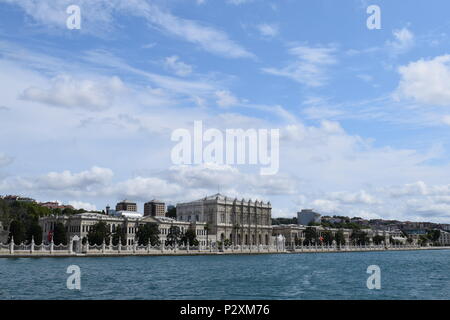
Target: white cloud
x: 61, y: 182
x: 410, y: 189
x: 178, y: 67
x: 310, y: 67
x: 361, y: 197
x: 239, y: 2
x: 98, y: 18
x: 5, y: 160
x: 426, y: 81
x: 83, y: 205
x: 76, y: 181
x: 226, y: 99
x: 144, y: 189
x: 412, y: 202
x: 268, y: 30
x: 404, y: 40
x: 446, y: 120
x: 208, y: 38
x: 68, y: 92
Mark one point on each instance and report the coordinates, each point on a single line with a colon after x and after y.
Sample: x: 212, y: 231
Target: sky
x: 87, y: 115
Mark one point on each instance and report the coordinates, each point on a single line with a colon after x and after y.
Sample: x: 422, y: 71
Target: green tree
x: 190, y: 237
x: 378, y: 239
x: 60, y: 234
x: 310, y: 236
x: 98, y: 233
x: 34, y: 230
x: 5, y: 214
x: 148, y: 232
x: 340, y: 238
x: 434, y: 235
x: 423, y: 240
x: 18, y: 231
x: 172, y: 213
x: 359, y: 237
x: 119, y: 234
x: 328, y: 237
x: 297, y: 240
x: 278, y: 221
x: 174, y: 236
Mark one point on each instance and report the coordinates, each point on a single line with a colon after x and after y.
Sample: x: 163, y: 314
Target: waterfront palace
x: 213, y: 219
x: 241, y: 222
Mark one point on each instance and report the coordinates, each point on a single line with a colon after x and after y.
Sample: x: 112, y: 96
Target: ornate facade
x: 80, y: 224
x: 242, y: 222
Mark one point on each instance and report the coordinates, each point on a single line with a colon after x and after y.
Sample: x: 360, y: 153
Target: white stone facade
x: 242, y: 222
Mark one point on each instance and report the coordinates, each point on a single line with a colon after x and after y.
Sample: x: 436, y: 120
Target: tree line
x: 146, y: 234
x: 21, y: 219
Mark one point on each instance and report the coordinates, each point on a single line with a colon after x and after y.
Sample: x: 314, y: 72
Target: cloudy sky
x: 86, y: 116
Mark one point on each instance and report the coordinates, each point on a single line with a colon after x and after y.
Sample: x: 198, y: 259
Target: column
x: 71, y: 246
x: 32, y: 244
x: 11, y: 245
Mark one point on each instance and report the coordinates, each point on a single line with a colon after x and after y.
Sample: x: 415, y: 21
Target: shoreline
x: 204, y: 253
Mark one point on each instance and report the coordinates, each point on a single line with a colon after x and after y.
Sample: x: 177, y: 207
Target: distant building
x: 123, y: 213
x: 332, y: 219
x: 444, y: 238
x: 307, y: 216
x: 126, y: 205
x: 11, y: 198
x: 155, y: 209
x: 296, y: 234
x: 55, y: 205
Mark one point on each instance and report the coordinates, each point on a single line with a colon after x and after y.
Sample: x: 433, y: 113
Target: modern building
x: 307, y: 216
x: 155, y: 208
x: 126, y: 205
x: 444, y: 238
x: 242, y: 222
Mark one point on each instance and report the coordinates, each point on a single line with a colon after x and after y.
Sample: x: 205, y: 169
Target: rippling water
x: 404, y: 275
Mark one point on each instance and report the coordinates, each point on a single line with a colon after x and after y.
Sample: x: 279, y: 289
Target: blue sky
x: 87, y: 115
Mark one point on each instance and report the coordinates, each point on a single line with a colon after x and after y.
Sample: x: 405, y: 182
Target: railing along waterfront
x: 160, y: 249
